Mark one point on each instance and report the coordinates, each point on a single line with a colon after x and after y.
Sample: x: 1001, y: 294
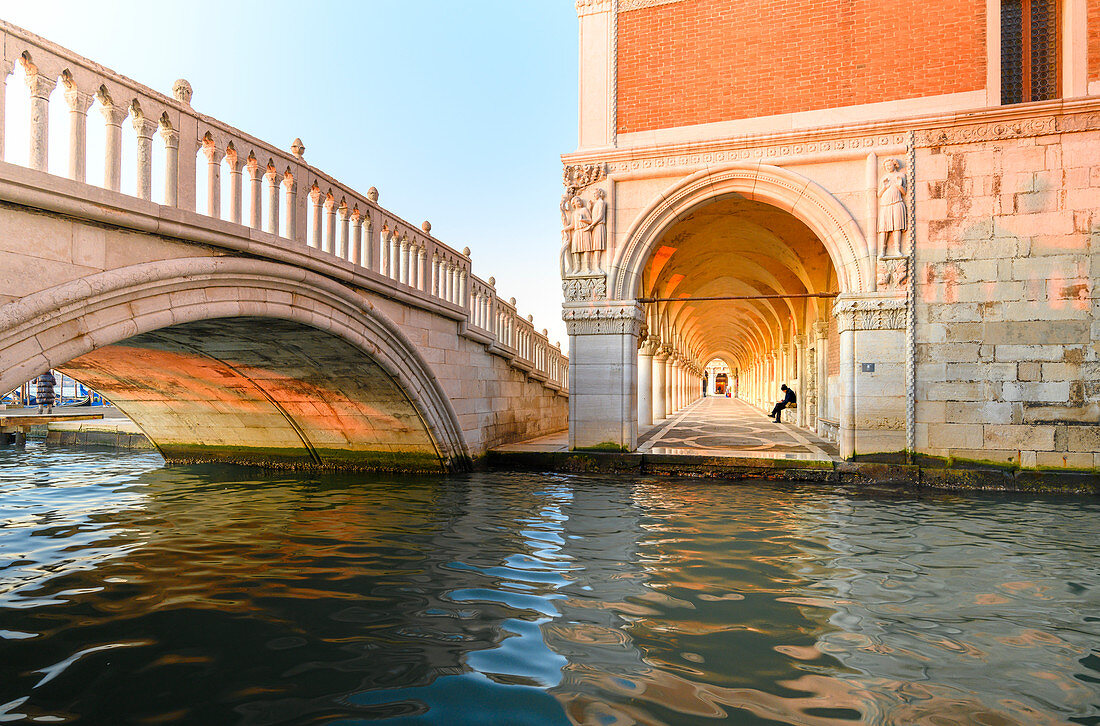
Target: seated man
x: 788, y: 400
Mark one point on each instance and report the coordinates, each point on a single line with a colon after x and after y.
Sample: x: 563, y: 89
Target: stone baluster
x: 433, y: 287
x: 5, y: 71
x: 318, y: 218
x: 356, y: 248
x: 236, y: 191
x: 144, y: 128
x: 329, y: 244
x: 79, y: 103
x: 213, y: 177
x: 272, y: 200
x: 255, y: 197
x: 343, y: 227
x: 448, y: 282
x: 171, y: 164
x: 290, y: 190
x: 403, y: 260
x: 40, y: 87
x: 421, y: 255
x: 366, y: 247
x: 463, y: 279
x: 113, y: 117
x: 395, y: 256
x: 384, y: 251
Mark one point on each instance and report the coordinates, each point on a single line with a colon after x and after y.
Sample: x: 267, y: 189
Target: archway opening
x: 262, y: 390
x: 748, y: 284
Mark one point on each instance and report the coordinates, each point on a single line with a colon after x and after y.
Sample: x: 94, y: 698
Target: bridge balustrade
x: 289, y: 199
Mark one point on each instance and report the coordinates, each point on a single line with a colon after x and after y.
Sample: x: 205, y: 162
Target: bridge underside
x: 263, y: 391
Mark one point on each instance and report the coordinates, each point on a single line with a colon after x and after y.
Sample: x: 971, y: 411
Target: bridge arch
x: 328, y: 379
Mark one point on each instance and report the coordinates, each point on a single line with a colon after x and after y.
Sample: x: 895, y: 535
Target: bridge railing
x: 288, y: 198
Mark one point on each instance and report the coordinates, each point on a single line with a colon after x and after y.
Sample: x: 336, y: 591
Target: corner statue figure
x: 892, y: 220
x: 584, y: 234
x: 789, y: 401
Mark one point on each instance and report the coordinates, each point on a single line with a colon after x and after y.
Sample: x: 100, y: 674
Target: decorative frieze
x: 878, y: 313
x: 614, y: 318
x: 746, y: 151
x: 626, y: 6
x: 590, y: 7
x: 1011, y: 129
x: 577, y: 177
x: 584, y: 289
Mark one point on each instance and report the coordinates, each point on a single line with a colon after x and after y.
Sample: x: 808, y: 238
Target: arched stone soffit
x: 707, y: 286
x: 804, y: 198
x: 50, y: 328
x: 752, y: 325
x: 788, y: 261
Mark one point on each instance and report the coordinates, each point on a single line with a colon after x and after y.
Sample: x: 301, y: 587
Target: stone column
x: 670, y: 383
x: 872, y: 373
x: 41, y: 87
x: 144, y: 129
x: 603, y: 397
x: 800, y: 362
x: 5, y: 70
x: 660, y: 384
x: 330, y: 225
x: 112, y: 152
x: 255, y: 200
x: 356, y: 251
x: 79, y: 103
x: 273, y: 201
x: 421, y: 254
x: 290, y: 194
x: 213, y: 179
x: 343, y: 224
x: 236, y: 191
x: 645, y: 382
x: 821, y: 392
x: 315, y: 238
x: 171, y: 166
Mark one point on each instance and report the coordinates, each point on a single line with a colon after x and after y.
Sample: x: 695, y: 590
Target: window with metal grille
x: 1029, y: 50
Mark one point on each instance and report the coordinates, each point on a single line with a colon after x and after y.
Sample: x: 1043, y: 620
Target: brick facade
x: 701, y: 61
x: 1094, y: 40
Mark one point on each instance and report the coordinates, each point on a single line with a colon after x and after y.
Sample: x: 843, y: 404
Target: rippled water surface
x: 134, y: 593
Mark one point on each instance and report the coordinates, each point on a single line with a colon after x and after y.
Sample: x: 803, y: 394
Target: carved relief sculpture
x: 599, y: 231
x: 892, y: 220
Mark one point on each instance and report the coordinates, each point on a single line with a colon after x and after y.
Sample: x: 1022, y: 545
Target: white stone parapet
x: 387, y: 251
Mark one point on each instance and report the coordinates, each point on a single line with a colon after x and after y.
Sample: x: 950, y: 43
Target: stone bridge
x: 250, y: 307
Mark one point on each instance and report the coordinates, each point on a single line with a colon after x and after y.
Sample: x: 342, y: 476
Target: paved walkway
x: 717, y: 426
x: 713, y: 427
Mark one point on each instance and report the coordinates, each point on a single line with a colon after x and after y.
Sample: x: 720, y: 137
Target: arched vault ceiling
x: 736, y: 246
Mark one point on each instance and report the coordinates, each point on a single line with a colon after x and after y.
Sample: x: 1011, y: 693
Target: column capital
x: 114, y: 115
x: 649, y: 345
x: 144, y: 127
x: 78, y: 101
x: 41, y: 86
x: 869, y: 312
x: 799, y: 341
x: 613, y: 317
x: 821, y: 329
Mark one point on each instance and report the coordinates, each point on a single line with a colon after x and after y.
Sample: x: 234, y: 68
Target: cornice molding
x: 1000, y: 122
x: 626, y: 6
x: 591, y: 7
x: 624, y: 316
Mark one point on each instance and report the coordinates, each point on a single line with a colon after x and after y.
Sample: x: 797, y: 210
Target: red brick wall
x: 700, y: 61
x: 1094, y: 40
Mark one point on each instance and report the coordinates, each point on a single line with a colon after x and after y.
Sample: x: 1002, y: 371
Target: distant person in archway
x: 789, y: 399
x: 44, y: 392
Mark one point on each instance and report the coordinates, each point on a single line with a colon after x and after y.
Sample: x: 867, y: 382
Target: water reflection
x: 134, y: 593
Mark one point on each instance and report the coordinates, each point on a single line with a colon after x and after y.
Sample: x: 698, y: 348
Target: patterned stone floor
x: 729, y: 427
x: 714, y: 427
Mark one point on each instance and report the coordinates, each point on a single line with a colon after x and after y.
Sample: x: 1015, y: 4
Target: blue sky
x: 457, y: 110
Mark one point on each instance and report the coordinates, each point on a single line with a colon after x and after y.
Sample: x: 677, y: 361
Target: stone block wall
x: 722, y: 60
x: 1008, y: 318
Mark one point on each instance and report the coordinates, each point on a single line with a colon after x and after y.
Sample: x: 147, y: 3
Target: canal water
x: 135, y: 593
